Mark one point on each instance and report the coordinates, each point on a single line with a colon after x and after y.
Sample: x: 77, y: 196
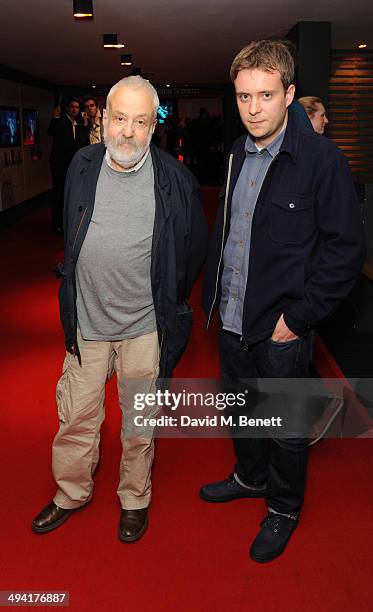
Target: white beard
x: 134, y: 153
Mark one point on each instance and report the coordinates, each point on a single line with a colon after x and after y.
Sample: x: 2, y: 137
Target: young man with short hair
x: 288, y: 247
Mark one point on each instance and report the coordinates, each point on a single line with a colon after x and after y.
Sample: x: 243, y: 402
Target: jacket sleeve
x: 342, y: 252
x: 71, y: 180
x: 53, y: 126
x: 198, y: 241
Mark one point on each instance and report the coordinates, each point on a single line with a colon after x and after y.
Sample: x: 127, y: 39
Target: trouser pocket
x: 62, y: 392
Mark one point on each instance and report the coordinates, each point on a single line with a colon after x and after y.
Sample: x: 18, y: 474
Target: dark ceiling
x: 174, y: 41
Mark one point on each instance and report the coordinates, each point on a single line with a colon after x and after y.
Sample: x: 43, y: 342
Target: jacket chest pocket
x: 290, y: 219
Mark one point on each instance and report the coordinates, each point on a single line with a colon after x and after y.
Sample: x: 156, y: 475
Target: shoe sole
x: 41, y: 530
x: 52, y: 526
x: 221, y: 500
x: 267, y: 559
x: 135, y: 537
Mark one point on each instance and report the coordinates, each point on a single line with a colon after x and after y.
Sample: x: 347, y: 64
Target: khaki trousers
x: 80, y: 400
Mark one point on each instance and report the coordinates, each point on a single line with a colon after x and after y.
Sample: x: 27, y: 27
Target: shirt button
x: 252, y: 183
x: 291, y: 205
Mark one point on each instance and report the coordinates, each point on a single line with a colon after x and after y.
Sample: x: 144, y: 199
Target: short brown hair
x: 309, y: 104
x: 268, y: 55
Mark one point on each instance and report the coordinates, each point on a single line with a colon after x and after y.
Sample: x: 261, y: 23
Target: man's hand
x: 57, y: 112
x: 85, y: 119
x: 281, y: 332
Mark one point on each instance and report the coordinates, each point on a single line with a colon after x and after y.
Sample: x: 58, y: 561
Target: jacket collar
x: 94, y: 152
x: 289, y: 145
x: 160, y: 174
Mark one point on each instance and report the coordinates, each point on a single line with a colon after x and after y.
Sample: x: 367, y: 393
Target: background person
x: 316, y: 112
x: 95, y: 123
x: 69, y: 135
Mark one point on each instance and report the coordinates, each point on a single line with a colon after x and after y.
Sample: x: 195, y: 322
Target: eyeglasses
x: 138, y: 124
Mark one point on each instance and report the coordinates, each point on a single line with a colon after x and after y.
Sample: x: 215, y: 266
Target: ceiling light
x: 83, y: 9
x: 111, y: 41
x: 126, y: 60
x: 362, y: 46
x: 168, y: 85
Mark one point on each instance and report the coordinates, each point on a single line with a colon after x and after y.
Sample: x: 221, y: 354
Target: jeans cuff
x: 292, y: 516
x: 242, y: 484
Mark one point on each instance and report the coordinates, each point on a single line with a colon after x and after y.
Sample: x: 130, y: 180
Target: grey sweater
x: 114, y: 297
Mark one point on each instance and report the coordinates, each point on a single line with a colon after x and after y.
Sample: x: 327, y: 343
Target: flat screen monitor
x: 10, y: 133
x: 166, y: 110
x: 31, y: 132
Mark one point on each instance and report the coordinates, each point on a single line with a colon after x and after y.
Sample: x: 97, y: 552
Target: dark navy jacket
x: 307, y: 246
x: 178, y: 249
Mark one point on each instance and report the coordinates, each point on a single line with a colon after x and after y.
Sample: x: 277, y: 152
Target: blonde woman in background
x: 316, y: 112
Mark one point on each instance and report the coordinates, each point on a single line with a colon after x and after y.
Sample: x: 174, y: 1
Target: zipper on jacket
x: 222, y: 240
x: 161, y: 346
x: 160, y: 373
x: 79, y: 226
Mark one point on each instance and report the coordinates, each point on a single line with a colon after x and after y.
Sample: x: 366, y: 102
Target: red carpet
x: 194, y: 555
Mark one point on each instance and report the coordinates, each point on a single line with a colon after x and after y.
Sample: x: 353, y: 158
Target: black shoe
x: 50, y: 518
x: 132, y: 524
x: 226, y: 490
x: 271, y: 541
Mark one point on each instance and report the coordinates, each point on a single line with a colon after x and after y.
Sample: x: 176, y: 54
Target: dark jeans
x: 281, y: 463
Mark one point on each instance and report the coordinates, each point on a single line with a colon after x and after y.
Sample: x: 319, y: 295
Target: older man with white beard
x: 135, y: 239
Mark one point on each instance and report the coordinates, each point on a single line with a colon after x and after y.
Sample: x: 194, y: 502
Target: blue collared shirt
x: 237, y: 248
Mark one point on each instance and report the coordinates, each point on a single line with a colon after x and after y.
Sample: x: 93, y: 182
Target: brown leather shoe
x: 50, y: 517
x: 132, y: 524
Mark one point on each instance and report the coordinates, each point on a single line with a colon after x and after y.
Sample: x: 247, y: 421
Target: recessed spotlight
x: 126, y: 60
x: 111, y: 41
x: 83, y: 9
x: 168, y: 85
x: 362, y: 46
x: 93, y: 86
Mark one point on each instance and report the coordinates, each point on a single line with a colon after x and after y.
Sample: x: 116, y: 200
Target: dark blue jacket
x: 178, y: 250
x: 307, y: 246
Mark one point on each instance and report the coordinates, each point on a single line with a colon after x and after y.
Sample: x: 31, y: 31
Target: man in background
x: 69, y: 135
x: 95, y: 124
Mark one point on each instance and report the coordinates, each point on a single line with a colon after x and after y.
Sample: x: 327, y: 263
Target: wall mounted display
x: 166, y: 110
x: 31, y: 132
x: 10, y: 133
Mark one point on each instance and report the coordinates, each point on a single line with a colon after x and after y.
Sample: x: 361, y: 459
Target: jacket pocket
x: 290, y: 219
